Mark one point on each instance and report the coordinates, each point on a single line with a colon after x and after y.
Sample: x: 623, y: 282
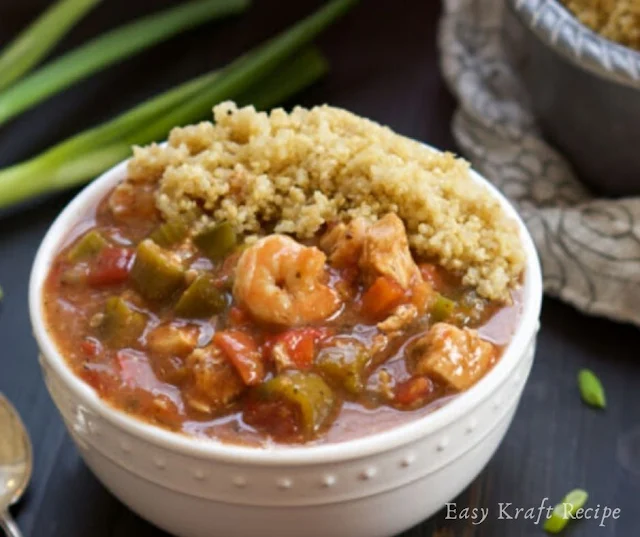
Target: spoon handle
x: 8, y: 525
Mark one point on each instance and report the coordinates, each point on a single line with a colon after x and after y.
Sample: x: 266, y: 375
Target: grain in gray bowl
x: 585, y: 92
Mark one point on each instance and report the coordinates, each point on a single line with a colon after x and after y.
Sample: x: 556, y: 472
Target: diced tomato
x: 224, y: 275
x: 238, y: 317
x: 135, y: 370
x: 281, y: 420
x: 299, y: 344
x: 414, y: 391
x: 90, y: 347
x: 241, y: 350
x: 111, y: 267
x: 382, y: 297
x: 102, y: 382
x: 350, y: 274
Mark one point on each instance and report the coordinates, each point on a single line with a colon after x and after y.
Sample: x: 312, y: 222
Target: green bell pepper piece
x: 155, y: 274
x: 201, y: 299
x: 90, y: 245
x: 169, y: 233
x: 121, y: 325
x: 306, y: 391
x: 345, y: 363
x: 216, y: 241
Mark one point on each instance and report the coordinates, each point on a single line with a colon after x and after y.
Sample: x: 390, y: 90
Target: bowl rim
x: 557, y: 27
x: 273, y: 454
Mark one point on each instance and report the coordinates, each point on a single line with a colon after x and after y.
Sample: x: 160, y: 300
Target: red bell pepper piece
x: 241, y: 350
x: 111, y: 267
x: 299, y: 344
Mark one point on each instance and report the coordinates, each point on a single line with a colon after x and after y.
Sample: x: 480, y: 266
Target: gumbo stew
x: 271, y: 339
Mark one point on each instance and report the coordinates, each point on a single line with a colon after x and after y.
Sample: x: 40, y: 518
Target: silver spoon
x: 16, y: 462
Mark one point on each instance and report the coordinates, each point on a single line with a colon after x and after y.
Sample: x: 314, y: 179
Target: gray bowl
x: 585, y: 92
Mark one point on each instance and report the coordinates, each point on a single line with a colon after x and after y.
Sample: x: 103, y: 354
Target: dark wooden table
x: 385, y: 66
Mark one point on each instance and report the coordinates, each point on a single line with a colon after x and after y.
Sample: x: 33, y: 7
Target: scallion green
x: 108, y: 49
x: 84, y: 156
x: 35, y: 42
x: 591, y: 389
x: 79, y: 159
x: 245, y: 71
x: 565, y: 510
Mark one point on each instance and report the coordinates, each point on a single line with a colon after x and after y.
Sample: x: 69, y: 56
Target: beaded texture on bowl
x: 268, y: 486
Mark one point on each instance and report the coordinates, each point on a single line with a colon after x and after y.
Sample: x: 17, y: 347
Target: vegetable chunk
x: 87, y: 247
x: 121, y: 325
x: 216, y: 241
x: 307, y: 392
x: 344, y: 362
x: 454, y: 356
x: 201, y: 299
x: 156, y: 274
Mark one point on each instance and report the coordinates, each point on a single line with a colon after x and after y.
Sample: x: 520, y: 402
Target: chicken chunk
x: 343, y: 243
x: 168, y: 339
x: 454, y: 356
x: 401, y: 317
x: 385, y: 252
x: 214, y: 381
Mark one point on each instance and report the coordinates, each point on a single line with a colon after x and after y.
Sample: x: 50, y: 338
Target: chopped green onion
x: 84, y: 156
x: 591, y: 389
x: 35, y: 42
x: 108, y: 49
x: 564, y: 511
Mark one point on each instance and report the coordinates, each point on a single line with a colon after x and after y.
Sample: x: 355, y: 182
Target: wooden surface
x: 384, y: 65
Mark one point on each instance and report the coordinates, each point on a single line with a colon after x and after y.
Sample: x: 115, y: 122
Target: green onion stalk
x: 36, y: 41
x: 263, y: 77
x: 108, y: 49
x: 79, y: 159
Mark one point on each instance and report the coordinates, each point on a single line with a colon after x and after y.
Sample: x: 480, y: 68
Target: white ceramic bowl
x: 375, y: 486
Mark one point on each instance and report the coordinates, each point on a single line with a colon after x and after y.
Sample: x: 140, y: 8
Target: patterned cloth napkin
x: 589, y: 247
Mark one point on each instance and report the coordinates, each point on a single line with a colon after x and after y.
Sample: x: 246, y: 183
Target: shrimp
x: 281, y: 281
x: 386, y: 252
